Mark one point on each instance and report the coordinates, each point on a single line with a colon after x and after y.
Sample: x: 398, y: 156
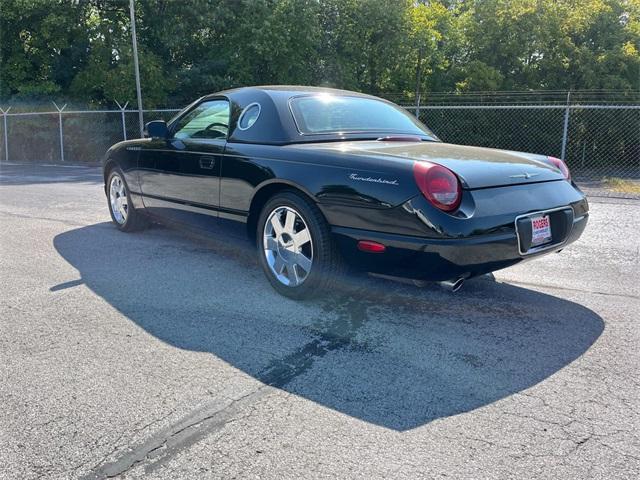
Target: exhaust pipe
x: 452, y: 285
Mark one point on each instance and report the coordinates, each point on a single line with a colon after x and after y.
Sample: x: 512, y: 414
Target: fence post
x: 418, y: 106
x: 6, y: 137
x: 124, y: 127
x: 60, y: 129
x: 565, y: 129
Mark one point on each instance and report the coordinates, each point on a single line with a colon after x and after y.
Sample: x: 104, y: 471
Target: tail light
x: 439, y: 185
x: 560, y: 165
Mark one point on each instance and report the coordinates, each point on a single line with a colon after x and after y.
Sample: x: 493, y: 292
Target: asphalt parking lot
x: 164, y: 355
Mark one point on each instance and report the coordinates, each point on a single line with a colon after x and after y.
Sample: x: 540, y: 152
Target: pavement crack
x: 339, y: 334
x: 178, y: 436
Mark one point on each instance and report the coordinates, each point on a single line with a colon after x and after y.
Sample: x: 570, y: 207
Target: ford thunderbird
x: 324, y: 178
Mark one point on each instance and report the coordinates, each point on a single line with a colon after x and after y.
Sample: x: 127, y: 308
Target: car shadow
x: 386, y: 353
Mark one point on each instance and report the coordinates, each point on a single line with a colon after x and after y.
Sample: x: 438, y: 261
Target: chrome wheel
x: 118, y: 199
x: 287, y: 245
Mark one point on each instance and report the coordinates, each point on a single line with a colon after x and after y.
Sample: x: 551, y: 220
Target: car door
x: 182, y: 173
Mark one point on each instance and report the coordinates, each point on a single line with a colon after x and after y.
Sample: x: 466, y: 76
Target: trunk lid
x: 477, y: 167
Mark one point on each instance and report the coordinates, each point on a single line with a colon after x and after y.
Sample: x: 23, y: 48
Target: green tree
x: 432, y: 42
x: 552, y: 44
x: 80, y: 50
x: 107, y: 72
x: 41, y: 47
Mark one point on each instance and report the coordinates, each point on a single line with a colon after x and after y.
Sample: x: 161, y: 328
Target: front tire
x: 123, y: 215
x: 295, y: 248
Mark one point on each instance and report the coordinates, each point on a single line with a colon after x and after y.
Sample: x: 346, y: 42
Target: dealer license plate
x: 541, y: 230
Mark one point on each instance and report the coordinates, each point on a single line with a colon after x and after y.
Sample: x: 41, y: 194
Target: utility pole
x: 134, y: 41
x: 565, y: 127
x: 418, y: 79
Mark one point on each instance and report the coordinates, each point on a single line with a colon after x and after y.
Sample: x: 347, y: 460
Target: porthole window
x: 249, y: 116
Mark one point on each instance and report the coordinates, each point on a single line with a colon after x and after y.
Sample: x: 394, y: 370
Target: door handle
x: 207, y: 163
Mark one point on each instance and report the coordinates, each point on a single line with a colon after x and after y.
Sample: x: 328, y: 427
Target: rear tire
x: 125, y: 217
x: 295, y: 248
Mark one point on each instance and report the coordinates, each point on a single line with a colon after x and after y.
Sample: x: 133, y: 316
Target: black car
x: 322, y: 176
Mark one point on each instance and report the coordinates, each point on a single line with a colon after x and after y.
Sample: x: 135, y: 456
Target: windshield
x: 327, y: 113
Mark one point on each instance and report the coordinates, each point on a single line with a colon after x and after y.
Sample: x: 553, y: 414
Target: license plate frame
x: 549, y: 245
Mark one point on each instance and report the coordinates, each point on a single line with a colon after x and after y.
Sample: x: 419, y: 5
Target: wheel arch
x: 109, y: 165
x: 262, y: 195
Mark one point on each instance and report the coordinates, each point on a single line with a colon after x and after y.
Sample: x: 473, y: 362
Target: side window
x: 208, y: 120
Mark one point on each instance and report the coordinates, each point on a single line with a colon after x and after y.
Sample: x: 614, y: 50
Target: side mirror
x: 157, y: 129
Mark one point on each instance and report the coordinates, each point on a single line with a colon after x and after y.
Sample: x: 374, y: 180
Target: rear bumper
x: 445, y: 259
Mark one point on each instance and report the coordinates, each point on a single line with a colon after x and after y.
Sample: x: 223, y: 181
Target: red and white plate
x: 541, y: 230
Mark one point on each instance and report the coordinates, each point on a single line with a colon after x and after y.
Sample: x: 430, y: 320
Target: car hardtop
x: 282, y: 93
x: 275, y: 124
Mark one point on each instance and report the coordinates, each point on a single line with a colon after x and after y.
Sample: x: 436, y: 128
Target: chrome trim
x: 158, y: 202
x: 244, y: 110
x: 542, y: 248
x: 212, y: 210
x: 526, y: 175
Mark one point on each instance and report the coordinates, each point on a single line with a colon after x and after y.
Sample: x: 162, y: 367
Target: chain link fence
x: 596, y: 141
x: 69, y: 136
x: 600, y: 142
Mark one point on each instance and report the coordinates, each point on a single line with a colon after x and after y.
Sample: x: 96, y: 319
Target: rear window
x: 327, y: 113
